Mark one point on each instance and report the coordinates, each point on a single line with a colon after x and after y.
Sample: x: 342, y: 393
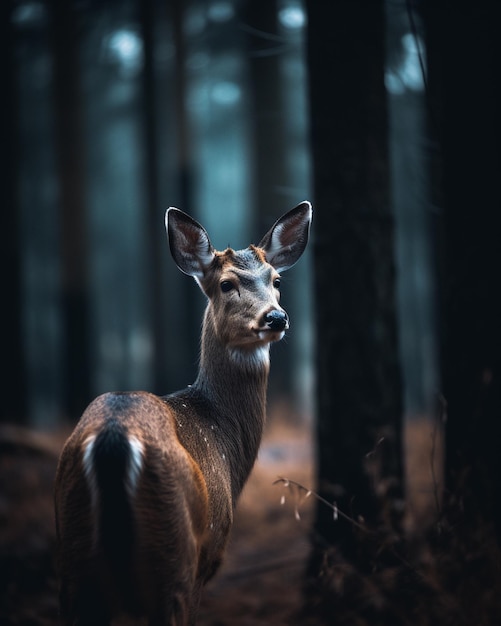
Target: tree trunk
x: 14, y: 405
x: 69, y: 148
x: 464, y: 53
x: 358, y: 384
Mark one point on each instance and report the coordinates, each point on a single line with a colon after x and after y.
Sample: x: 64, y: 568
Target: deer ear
x: 189, y: 243
x: 286, y: 240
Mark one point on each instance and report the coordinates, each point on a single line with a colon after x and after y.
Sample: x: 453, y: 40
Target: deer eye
x: 226, y: 286
x: 276, y: 283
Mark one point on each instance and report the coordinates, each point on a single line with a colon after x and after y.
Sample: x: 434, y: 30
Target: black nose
x: 276, y: 320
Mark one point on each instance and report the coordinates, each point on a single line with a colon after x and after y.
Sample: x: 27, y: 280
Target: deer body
x: 146, y: 486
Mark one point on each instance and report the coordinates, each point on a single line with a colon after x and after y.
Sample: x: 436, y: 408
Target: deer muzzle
x: 276, y: 320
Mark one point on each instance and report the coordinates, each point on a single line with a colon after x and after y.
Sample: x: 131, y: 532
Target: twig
x: 292, y: 483
x: 287, y: 483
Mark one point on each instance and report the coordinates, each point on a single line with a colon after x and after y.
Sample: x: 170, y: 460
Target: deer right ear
x: 286, y: 240
x: 189, y: 243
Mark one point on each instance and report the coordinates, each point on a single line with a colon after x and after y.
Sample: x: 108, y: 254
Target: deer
x: 146, y: 486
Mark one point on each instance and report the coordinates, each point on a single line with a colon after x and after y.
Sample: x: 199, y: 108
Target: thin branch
x: 292, y: 483
x: 287, y: 483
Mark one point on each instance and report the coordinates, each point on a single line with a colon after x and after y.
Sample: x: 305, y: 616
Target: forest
x: 373, y: 499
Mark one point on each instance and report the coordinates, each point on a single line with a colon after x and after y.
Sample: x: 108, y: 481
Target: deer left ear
x: 286, y: 240
x: 189, y: 243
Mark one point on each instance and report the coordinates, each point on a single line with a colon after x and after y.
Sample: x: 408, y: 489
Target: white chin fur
x: 259, y: 357
x: 265, y: 335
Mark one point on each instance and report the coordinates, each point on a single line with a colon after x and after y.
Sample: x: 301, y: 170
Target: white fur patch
x: 252, y: 359
x: 135, y: 465
x: 90, y: 475
x: 88, y: 466
x: 264, y: 334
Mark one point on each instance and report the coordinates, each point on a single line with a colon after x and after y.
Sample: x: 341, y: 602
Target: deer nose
x: 276, y: 320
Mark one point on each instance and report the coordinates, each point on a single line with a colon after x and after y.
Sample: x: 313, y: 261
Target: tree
x: 358, y: 388
x: 465, y: 98
x: 14, y: 404
x: 68, y: 143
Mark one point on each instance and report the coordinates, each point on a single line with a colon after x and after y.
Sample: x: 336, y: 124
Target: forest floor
x: 451, y: 576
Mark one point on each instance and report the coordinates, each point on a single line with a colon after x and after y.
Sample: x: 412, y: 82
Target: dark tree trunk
x: 464, y: 54
x: 69, y: 147
x: 14, y: 405
x: 358, y: 394
x: 263, y: 39
x: 156, y: 233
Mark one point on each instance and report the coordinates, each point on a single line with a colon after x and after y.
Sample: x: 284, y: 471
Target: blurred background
x: 383, y: 113
x: 118, y: 110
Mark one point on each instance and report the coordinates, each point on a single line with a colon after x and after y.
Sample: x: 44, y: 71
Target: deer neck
x: 234, y: 381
